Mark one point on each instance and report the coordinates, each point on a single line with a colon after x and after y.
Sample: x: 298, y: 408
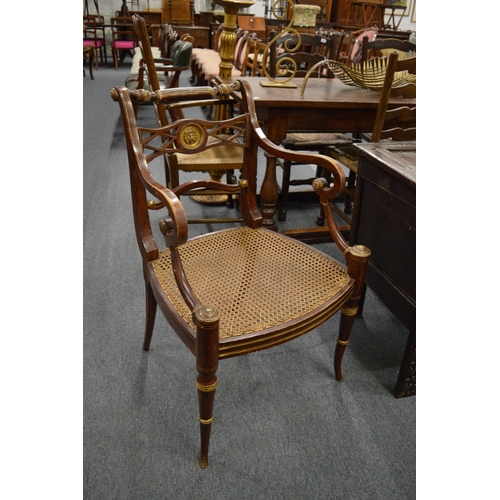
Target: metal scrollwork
x: 286, y: 68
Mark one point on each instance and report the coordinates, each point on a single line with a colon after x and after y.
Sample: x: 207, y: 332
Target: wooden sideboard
x: 384, y: 220
x: 201, y: 34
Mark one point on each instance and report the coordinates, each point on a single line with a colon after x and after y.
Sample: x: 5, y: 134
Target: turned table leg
x: 269, y: 193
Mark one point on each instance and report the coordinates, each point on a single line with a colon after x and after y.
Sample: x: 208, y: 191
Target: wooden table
x: 327, y: 105
x: 384, y: 220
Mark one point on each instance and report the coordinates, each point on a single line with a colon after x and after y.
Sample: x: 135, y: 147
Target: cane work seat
x: 240, y: 289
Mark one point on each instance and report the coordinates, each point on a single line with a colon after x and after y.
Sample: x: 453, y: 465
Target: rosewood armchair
x: 242, y: 289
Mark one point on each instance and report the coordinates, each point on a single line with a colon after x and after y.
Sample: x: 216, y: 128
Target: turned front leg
x: 207, y: 358
x: 357, y: 258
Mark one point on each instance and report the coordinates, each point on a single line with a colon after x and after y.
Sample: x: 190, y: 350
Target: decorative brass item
x: 228, y: 35
x: 192, y: 136
x: 283, y: 67
x: 368, y: 75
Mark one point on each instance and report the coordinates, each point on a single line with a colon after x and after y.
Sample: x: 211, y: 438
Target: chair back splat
x: 238, y: 290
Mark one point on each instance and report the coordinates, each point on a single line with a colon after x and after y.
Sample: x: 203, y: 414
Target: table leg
x: 269, y: 193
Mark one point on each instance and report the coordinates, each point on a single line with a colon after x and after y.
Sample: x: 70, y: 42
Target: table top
x: 319, y: 93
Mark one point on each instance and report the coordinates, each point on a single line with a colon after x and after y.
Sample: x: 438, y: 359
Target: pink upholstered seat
x: 124, y: 44
x: 124, y: 39
x: 91, y: 38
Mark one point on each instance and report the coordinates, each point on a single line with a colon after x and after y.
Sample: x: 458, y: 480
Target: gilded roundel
x: 191, y: 136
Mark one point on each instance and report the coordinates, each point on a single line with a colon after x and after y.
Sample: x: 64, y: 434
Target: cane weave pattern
x: 257, y: 278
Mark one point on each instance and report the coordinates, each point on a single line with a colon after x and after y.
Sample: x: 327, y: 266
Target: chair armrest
x: 326, y: 192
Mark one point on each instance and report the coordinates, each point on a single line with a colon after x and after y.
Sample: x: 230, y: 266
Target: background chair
x: 381, y: 47
x: 208, y: 67
x: 168, y: 69
x: 398, y: 124
x: 313, y: 49
x: 123, y: 38
x: 223, y: 161
x: 93, y: 36
x: 168, y: 36
x: 254, y: 54
x: 200, y: 55
x: 354, y: 53
x: 236, y: 291
x: 371, y: 48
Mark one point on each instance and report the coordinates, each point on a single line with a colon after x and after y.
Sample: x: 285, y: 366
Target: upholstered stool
x: 305, y: 15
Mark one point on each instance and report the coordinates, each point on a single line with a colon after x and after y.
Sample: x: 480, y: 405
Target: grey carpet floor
x: 284, y: 428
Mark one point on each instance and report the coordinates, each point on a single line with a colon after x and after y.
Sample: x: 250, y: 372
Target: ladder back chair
x: 398, y: 124
x: 313, y: 49
x: 167, y: 70
x: 239, y: 290
x: 354, y: 52
x: 384, y: 46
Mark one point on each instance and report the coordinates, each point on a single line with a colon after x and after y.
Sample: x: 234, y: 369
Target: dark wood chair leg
x: 103, y: 48
x: 193, y: 72
x: 171, y: 174
x: 357, y: 259
x: 320, y: 172
x: 350, y: 185
x: 230, y: 179
x: 207, y: 358
x: 150, y: 316
x: 285, y: 187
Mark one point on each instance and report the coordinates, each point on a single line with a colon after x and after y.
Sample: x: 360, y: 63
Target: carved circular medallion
x: 191, y: 136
